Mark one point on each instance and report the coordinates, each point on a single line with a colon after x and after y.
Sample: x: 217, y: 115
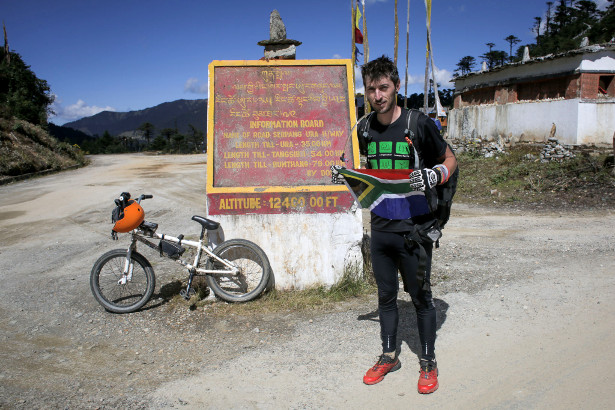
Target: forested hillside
x: 172, y: 127
x: 178, y: 115
x: 25, y: 143
x: 564, y: 26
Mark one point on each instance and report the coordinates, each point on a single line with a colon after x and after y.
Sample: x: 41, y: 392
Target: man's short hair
x: 381, y: 67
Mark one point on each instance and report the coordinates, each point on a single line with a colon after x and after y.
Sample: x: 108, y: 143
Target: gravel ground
x: 525, y: 301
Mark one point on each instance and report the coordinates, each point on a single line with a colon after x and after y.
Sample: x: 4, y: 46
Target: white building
x: 573, y: 90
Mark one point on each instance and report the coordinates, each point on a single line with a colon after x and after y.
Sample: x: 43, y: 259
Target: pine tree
x: 23, y: 94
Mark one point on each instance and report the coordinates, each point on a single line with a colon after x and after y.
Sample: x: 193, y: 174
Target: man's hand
x: 336, y: 178
x: 422, y: 179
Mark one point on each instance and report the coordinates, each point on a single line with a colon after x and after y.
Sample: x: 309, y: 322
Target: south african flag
x: 385, y: 192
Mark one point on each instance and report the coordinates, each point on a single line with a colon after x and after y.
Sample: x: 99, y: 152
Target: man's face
x: 381, y: 94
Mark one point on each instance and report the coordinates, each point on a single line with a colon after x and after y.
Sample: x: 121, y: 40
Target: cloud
x: 76, y: 111
x: 412, y: 79
x: 443, y: 77
x: 358, y: 81
x: 457, y: 8
x: 602, y: 4
x: 195, y: 86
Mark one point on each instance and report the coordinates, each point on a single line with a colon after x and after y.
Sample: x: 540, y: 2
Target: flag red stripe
x: 386, y: 173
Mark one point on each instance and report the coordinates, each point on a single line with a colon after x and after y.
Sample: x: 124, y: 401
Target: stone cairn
x: 554, y: 151
x: 494, y: 147
x: 487, y: 148
x: 278, y: 46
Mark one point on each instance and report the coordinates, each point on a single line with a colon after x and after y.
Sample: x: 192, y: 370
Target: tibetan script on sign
x: 277, y: 129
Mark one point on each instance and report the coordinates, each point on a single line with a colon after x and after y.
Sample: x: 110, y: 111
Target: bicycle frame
x: 123, y: 280
x: 194, y: 267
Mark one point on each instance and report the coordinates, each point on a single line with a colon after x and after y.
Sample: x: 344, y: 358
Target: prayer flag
x: 358, y: 36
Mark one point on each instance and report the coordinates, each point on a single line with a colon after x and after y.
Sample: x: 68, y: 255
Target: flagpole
x: 437, y: 104
x: 365, y: 54
x: 352, y: 25
x: 425, y: 92
x: 407, y: 49
x: 365, y: 43
x: 396, y: 34
x: 353, y: 49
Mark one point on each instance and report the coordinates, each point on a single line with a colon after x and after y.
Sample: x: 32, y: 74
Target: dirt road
x: 526, y: 308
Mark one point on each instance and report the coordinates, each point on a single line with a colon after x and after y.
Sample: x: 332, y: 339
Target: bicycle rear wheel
x: 254, y: 271
x: 107, y: 276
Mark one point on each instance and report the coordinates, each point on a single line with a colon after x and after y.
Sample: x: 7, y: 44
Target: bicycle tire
x: 254, y: 271
x: 126, y: 298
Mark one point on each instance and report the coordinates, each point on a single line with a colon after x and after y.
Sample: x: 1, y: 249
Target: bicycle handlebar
x: 144, y: 196
x: 122, y: 201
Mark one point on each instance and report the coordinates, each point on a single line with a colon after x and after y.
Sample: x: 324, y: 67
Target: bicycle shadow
x: 407, y: 330
x: 164, y: 295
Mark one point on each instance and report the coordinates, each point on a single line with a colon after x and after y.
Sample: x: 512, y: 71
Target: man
x: 436, y: 120
x: 389, y: 250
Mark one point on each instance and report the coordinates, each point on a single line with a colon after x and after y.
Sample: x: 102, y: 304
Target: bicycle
x: 123, y: 280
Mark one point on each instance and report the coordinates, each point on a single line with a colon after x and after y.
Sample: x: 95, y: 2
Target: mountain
x: 67, y: 134
x: 176, y: 114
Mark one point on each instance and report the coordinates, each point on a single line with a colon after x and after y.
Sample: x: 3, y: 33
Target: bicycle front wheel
x: 117, y: 292
x: 254, y: 271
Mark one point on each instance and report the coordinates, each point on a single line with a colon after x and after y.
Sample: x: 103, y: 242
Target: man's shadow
x: 407, y: 330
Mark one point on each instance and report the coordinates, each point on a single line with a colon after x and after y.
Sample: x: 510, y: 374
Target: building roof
x: 592, y: 58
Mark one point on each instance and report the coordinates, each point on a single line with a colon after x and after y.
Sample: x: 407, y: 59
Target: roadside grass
x: 357, y: 282
x: 519, y: 178
x: 29, y: 149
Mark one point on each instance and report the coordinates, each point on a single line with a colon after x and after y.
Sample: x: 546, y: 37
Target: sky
x: 130, y: 55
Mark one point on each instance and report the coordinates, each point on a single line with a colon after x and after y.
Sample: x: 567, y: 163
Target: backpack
x: 440, y: 197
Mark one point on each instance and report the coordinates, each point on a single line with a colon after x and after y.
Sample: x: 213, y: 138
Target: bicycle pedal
x: 186, y: 295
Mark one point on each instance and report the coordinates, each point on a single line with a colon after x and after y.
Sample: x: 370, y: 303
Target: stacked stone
x: 493, y: 149
x: 477, y: 145
x: 554, y: 151
x: 466, y: 145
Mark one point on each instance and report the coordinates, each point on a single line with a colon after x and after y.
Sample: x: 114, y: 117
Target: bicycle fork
x: 128, y: 267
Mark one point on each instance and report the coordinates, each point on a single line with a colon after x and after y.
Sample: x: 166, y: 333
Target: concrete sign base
x: 304, y: 249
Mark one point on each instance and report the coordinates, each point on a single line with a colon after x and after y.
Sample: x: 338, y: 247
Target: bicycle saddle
x: 206, y: 223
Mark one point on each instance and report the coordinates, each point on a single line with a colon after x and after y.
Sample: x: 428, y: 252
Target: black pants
x: 390, y: 255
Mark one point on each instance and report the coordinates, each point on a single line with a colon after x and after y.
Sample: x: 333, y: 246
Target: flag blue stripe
x: 400, y: 207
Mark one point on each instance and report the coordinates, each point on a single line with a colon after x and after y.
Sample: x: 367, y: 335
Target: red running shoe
x: 384, y: 365
x: 428, y: 380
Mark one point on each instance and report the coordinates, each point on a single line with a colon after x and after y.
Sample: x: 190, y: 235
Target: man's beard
x: 383, y: 109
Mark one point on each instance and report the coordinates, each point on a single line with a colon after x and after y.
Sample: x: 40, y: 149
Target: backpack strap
x: 412, y: 119
x: 363, y: 131
x: 419, y: 236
